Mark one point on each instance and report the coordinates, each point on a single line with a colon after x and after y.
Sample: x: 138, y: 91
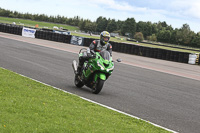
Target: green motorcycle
x: 95, y: 71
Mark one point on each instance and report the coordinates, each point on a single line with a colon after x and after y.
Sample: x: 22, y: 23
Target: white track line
x: 97, y: 103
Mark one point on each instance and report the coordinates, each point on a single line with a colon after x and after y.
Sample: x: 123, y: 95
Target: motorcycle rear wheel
x: 98, y: 86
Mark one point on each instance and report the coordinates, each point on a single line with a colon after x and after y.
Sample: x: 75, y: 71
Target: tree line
x: 158, y: 32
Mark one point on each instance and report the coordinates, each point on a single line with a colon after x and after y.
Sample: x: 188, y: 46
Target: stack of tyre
x: 11, y: 28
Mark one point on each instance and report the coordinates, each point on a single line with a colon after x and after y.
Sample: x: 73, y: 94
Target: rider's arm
x: 109, y: 48
x: 91, y: 48
x: 92, y: 45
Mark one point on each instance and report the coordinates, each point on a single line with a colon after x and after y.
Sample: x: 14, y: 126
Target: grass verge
x: 29, y: 106
x: 32, y: 23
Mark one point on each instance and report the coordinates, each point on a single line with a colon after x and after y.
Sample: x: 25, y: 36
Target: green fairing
x: 95, y: 71
x: 97, y: 64
x: 101, y: 76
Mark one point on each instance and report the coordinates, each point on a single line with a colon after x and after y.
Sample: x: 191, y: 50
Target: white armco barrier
x: 28, y: 32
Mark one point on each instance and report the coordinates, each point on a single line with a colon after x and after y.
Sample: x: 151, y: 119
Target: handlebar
x: 82, y: 49
x: 90, y: 53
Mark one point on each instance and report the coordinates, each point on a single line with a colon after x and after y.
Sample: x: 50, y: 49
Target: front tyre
x: 78, y: 82
x: 99, y: 86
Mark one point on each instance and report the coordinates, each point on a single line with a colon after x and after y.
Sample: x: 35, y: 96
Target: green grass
x: 32, y: 23
x: 167, y: 48
x: 180, y: 46
x: 30, y: 107
x: 84, y: 35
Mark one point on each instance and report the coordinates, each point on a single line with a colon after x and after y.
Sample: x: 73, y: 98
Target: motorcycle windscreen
x: 105, y: 55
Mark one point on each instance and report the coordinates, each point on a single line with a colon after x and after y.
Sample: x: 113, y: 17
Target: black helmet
x: 104, y: 34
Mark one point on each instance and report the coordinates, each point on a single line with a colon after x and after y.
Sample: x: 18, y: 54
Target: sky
x: 173, y: 12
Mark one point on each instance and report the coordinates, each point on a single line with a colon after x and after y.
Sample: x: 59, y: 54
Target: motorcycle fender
x: 102, y: 76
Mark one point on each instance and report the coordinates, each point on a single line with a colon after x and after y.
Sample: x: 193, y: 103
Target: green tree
x: 186, y: 34
x: 164, y: 24
x: 119, y: 24
x: 129, y: 26
x: 140, y: 26
x: 11, y: 15
x: 76, y: 20
x: 196, y: 40
x: 154, y: 28
x: 139, y: 36
x: 112, y: 26
x: 147, y: 29
x: 82, y: 25
x: 173, y: 38
x: 164, y: 36
x: 101, y: 23
x: 90, y: 26
x: 152, y: 38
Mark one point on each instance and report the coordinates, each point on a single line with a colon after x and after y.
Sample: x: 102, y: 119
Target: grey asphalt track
x: 164, y: 99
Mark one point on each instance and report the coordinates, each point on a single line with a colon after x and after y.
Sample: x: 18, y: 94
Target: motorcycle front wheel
x: 99, y: 86
x: 77, y: 82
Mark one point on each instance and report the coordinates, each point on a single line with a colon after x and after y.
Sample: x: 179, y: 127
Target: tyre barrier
x: 155, y: 54
x: 151, y: 52
x: 118, y: 47
x: 40, y: 33
x: 10, y: 28
x: 121, y: 47
x: 88, y: 41
x: 132, y: 49
x: 182, y: 57
x: 160, y: 54
x: 186, y: 57
x: 1, y: 27
x: 176, y: 54
x: 114, y: 46
x: 128, y: 50
x: 52, y: 36
x: 164, y: 54
x: 141, y: 51
x: 171, y: 57
x: 147, y: 52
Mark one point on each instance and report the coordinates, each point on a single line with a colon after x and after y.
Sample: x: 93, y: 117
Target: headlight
x: 102, y: 68
x: 110, y: 69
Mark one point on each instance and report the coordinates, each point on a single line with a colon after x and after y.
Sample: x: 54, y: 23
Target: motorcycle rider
x: 97, y: 46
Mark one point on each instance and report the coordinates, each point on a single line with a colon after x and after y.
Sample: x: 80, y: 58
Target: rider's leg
x: 81, y: 62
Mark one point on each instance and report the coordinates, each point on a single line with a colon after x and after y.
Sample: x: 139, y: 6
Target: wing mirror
x: 119, y: 60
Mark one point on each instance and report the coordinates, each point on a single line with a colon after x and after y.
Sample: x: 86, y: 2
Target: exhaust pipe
x: 74, y: 66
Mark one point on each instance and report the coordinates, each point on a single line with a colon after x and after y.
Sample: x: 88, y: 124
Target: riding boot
x: 80, y: 64
x: 79, y: 69
x: 82, y: 59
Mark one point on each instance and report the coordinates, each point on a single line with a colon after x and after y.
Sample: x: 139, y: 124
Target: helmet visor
x: 106, y: 39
